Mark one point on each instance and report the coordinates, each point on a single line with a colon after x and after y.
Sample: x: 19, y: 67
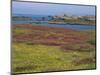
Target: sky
x: 33, y: 8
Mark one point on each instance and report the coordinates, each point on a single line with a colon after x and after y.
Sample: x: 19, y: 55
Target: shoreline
x: 31, y: 26
x: 52, y: 27
x: 70, y: 23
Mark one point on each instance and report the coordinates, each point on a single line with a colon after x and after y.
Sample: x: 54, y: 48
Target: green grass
x: 20, y: 31
x: 41, y: 58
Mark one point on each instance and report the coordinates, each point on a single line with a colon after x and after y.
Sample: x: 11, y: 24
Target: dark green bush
x: 92, y: 42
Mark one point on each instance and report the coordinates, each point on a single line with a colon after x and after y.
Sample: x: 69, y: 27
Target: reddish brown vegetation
x: 52, y: 36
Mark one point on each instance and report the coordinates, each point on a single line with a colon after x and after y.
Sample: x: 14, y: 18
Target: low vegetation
x: 42, y: 49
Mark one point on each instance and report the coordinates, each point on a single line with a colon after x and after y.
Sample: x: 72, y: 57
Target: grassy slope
x: 41, y: 57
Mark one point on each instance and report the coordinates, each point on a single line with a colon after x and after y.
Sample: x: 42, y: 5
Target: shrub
x: 78, y: 47
x: 89, y: 60
x: 86, y: 47
x: 70, y: 47
x: 92, y: 42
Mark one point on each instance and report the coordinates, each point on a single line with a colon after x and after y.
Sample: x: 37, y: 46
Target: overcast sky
x: 50, y: 9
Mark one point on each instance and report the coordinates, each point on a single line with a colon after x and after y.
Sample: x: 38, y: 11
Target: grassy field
x: 42, y: 49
